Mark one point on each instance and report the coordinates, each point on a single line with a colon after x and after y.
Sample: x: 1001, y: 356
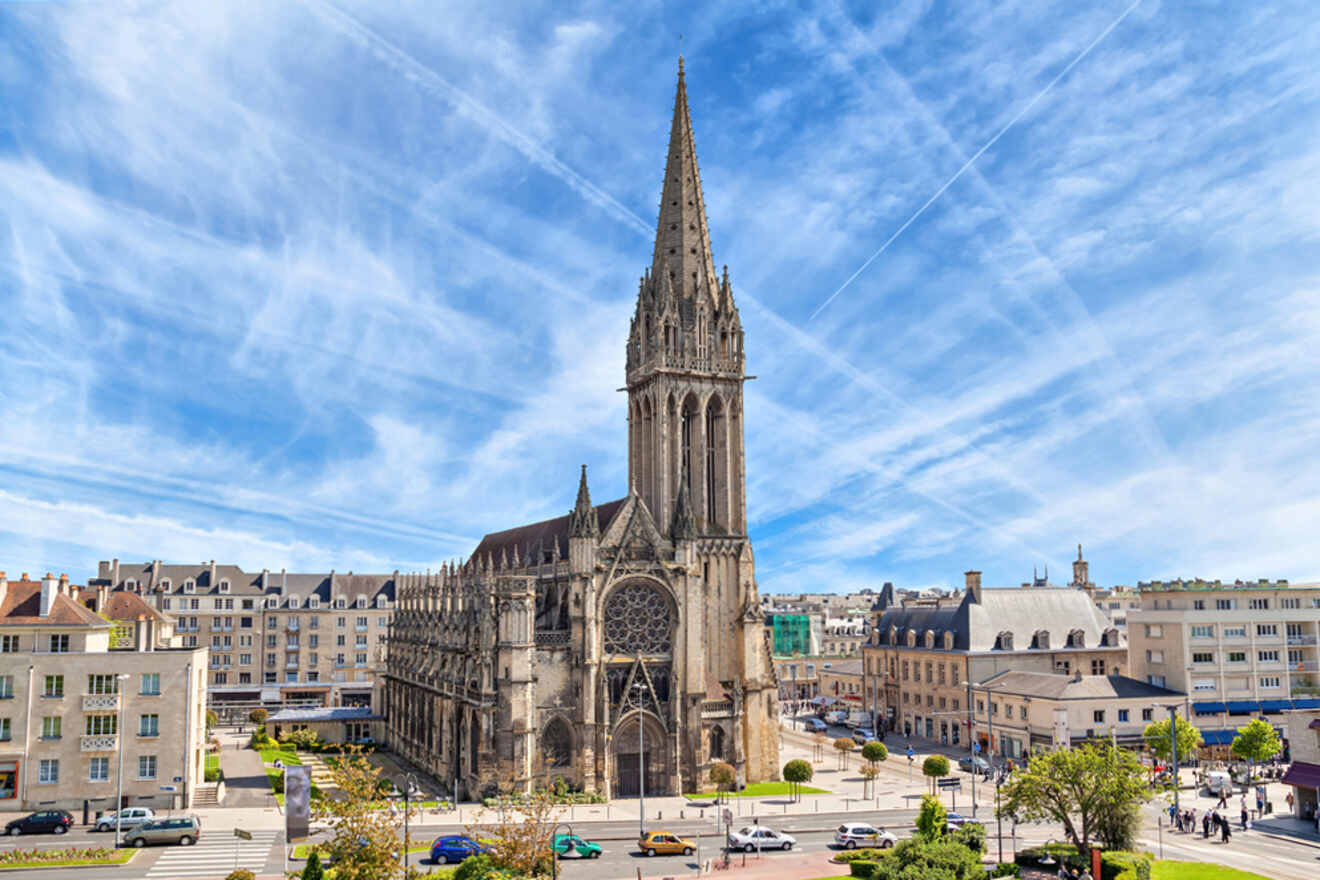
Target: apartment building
x: 89, y: 684
x: 922, y: 654
x: 275, y: 639
x: 844, y: 636
x: 1240, y: 650
x: 1014, y: 712
x: 842, y: 680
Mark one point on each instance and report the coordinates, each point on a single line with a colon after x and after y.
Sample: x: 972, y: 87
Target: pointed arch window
x: 557, y: 744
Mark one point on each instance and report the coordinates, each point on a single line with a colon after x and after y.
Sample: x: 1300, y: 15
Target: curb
x: 125, y: 862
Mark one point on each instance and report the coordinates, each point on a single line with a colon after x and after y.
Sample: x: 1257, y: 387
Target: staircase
x: 207, y: 794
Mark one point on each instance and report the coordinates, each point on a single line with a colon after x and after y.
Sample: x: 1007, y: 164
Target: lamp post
x: 119, y: 784
x: 554, y: 852
x: 408, y: 782
x: 1173, y: 751
x: 639, y: 688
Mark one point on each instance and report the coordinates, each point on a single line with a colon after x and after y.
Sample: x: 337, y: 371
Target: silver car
x: 125, y: 818
x: 183, y: 830
x: 750, y: 838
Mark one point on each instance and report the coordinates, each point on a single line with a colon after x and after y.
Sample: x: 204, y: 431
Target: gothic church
x: 560, y: 648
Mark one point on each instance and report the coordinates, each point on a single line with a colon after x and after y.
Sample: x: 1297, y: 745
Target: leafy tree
x: 843, y: 745
x: 481, y: 867
x: 874, y: 752
x: 1094, y: 791
x: 520, y: 838
x: 933, y: 768
x: 819, y: 741
x: 970, y: 835
x: 212, y: 720
x: 365, y: 842
x: 797, y: 772
x: 723, y: 775
x: 933, y: 819
x: 1157, y: 738
x: 1256, y: 741
x: 312, y: 870
x: 258, y: 715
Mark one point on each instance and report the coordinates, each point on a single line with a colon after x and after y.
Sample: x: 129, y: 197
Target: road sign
x: 728, y: 816
x: 169, y: 788
x: 976, y: 747
x: 950, y: 783
x: 242, y: 835
x: 177, y: 779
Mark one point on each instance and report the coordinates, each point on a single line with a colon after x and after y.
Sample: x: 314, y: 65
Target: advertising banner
x: 297, y: 802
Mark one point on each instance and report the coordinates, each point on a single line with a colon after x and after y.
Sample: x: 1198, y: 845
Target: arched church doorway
x: 632, y: 766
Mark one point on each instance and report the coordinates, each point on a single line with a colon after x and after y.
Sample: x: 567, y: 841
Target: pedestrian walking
x: 1244, y: 818
x: 1223, y: 800
x: 1289, y: 800
x: 1227, y: 831
x: 1205, y: 823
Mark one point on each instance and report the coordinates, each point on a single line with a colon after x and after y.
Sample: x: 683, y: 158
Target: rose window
x: 637, y: 620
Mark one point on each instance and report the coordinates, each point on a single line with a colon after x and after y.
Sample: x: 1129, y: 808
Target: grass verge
x: 1168, y: 870
x: 112, y: 857
x: 761, y: 789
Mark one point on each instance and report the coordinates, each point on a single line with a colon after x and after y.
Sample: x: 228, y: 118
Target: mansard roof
x: 1060, y: 686
x: 540, y: 534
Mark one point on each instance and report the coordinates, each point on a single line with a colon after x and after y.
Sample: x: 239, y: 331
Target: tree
x: 212, y: 720
x: 1094, y: 791
x: 843, y: 745
x: 312, y: 870
x: 935, y: 767
x: 723, y: 775
x: 917, y: 859
x: 258, y: 715
x: 365, y: 841
x: 797, y: 772
x: 1257, y: 741
x: 869, y: 773
x: 1157, y: 738
x: 933, y: 820
x: 819, y: 741
x: 874, y: 752
x: 520, y: 838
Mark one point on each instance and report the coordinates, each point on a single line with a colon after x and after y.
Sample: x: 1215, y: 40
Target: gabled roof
x: 1059, y: 686
x: 539, y: 534
x: 22, y: 607
x: 124, y: 606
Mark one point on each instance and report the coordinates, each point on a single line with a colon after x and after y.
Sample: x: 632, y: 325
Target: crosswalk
x: 215, y: 854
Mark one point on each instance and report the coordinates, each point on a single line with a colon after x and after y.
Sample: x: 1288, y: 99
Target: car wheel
x: 102, y: 827
x: 650, y: 852
x: 139, y: 842
x: 15, y: 831
x: 852, y: 844
x: 787, y: 846
x: 687, y: 850
x: 594, y: 855
x: 60, y: 829
x: 185, y: 841
x: 442, y: 859
x: 886, y: 844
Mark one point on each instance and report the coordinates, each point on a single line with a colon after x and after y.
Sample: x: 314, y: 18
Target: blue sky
x: 346, y: 285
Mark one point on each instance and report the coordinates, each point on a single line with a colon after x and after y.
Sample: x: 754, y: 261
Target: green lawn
x: 122, y: 857
x: 301, y: 850
x: 762, y: 789
x: 268, y: 755
x: 1199, y: 871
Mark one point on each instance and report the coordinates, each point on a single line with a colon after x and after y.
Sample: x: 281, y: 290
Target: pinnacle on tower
x: 582, y: 522
x: 685, y: 522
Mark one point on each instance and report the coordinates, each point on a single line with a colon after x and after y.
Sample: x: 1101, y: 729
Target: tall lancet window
x: 686, y: 444
x: 714, y: 425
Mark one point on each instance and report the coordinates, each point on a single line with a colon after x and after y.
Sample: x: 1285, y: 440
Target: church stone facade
x: 560, y: 648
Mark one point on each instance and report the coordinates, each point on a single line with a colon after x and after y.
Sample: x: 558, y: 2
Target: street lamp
x: 119, y: 794
x: 408, y: 782
x: 554, y: 852
x: 639, y: 688
x: 990, y: 723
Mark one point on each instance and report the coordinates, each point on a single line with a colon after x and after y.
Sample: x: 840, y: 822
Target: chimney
x: 4, y: 587
x: 973, y: 582
x: 49, y: 590
x: 114, y: 573
x: 212, y: 582
x: 64, y: 586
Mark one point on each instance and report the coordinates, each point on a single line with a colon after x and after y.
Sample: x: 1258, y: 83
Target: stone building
x: 557, y: 646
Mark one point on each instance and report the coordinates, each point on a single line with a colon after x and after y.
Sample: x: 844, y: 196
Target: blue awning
x: 1208, y: 708
x: 1275, y: 705
x: 1306, y: 704
x: 1243, y: 707
x: 1218, y: 737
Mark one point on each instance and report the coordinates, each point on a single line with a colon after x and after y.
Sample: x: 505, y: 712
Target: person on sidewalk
x: 1244, y: 817
x: 1205, y: 823
x: 1225, y: 829
x: 1223, y: 800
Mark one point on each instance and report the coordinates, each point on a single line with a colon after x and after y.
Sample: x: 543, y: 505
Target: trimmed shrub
x: 863, y: 868
x: 1005, y: 869
x: 852, y: 855
x: 972, y: 836
x: 240, y: 874
x: 1119, y: 865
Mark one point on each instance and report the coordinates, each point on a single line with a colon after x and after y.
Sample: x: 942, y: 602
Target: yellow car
x: 664, y: 843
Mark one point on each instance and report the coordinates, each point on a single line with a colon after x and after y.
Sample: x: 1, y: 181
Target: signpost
x: 912, y: 757
x: 953, y: 786
x: 239, y: 834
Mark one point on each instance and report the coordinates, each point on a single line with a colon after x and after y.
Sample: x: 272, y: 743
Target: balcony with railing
x: 100, y: 702
x: 99, y: 742
x: 360, y: 627
x: 292, y: 624
x: 291, y: 662
x: 1301, y: 639
x: 1304, y: 666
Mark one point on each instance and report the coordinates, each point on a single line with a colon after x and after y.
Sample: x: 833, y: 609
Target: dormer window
x: 1004, y: 641
x: 1041, y: 640
x: 164, y: 583
x: 130, y: 585
x: 190, y: 586
x: 340, y: 602
x: 272, y: 601
x: 361, y: 602
x: 930, y: 639
x: 1077, y: 639
x: 912, y: 638
x: 1110, y: 639
x: 381, y: 602
x: 948, y: 641
x: 293, y: 601
x: 224, y: 586
x: 313, y: 602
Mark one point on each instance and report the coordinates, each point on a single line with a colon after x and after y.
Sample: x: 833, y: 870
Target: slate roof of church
x: 543, y: 534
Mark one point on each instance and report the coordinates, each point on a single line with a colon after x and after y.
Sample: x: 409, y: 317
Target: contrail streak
x: 968, y: 164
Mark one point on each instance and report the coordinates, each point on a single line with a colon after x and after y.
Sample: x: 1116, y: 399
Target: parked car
x: 455, y: 848
x: 125, y: 818
x: 40, y: 822
x: 182, y: 830
x: 973, y: 764
x: 863, y: 735
x: 835, y: 716
x: 665, y: 843
x: 854, y: 834
x: 815, y: 725
x: 750, y: 838
x: 566, y: 843
x: 958, y: 820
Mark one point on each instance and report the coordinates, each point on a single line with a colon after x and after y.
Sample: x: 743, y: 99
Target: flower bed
x: 73, y: 856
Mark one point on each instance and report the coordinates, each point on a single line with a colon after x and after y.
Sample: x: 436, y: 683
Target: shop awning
x: 1243, y: 707
x: 822, y: 701
x: 1208, y: 708
x: 1303, y: 774
x: 1218, y: 737
x: 1306, y: 704
x: 1275, y: 705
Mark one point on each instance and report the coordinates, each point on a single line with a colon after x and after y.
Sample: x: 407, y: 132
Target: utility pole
x: 1173, y: 748
x: 119, y: 796
x: 640, y: 689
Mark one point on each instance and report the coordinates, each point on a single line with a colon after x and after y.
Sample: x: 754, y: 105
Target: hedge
x: 852, y: 855
x: 863, y: 868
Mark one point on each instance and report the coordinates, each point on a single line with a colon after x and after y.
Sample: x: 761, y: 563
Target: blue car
x: 815, y: 725
x: 455, y: 848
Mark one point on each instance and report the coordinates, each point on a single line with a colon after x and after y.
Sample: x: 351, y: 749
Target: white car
x: 132, y: 816
x: 854, y: 834
x: 750, y: 838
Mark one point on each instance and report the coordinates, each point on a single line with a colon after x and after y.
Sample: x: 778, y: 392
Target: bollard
x: 682, y: 814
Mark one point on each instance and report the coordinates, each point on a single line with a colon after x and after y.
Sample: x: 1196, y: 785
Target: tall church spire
x: 682, y: 238
x: 582, y: 521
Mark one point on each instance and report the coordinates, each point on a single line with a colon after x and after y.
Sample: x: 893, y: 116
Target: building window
x: 6, y: 687
x: 313, y: 641
x: 54, y: 686
x: 1269, y: 681
x: 146, y: 767
x: 1154, y: 656
x: 149, y: 725
x: 244, y: 659
x: 150, y: 684
x: 1203, y: 632
x: 1098, y: 716
x: 1157, y: 680
x: 1122, y: 716
x: 1259, y: 604
x: 5, y: 732
x: 1022, y: 712
x: 101, y: 725
x: 1267, y: 656
x: 8, y: 644
x: 270, y: 659
x: 50, y: 727
x: 98, y: 770
x: 222, y: 678
x: 268, y: 677
x: 1203, y: 656
x: 245, y: 678
x: 1267, y: 629
x: 313, y: 676
x: 1198, y: 604
x: 1235, y: 632
x: 1290, y: 603
x: 59, y: 643
x: 314, y: 623
x: 360, y: 659
x: 48, y: 772
x: 1237, y: 656
x: 1147, y: 714
x: 1154, y: 631
x: 293, y: 602
x: 1225, y: 604
x: 1203, y: 684
x: 1097, y: 667
x: 102, y: 684
x: 341, y: 621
